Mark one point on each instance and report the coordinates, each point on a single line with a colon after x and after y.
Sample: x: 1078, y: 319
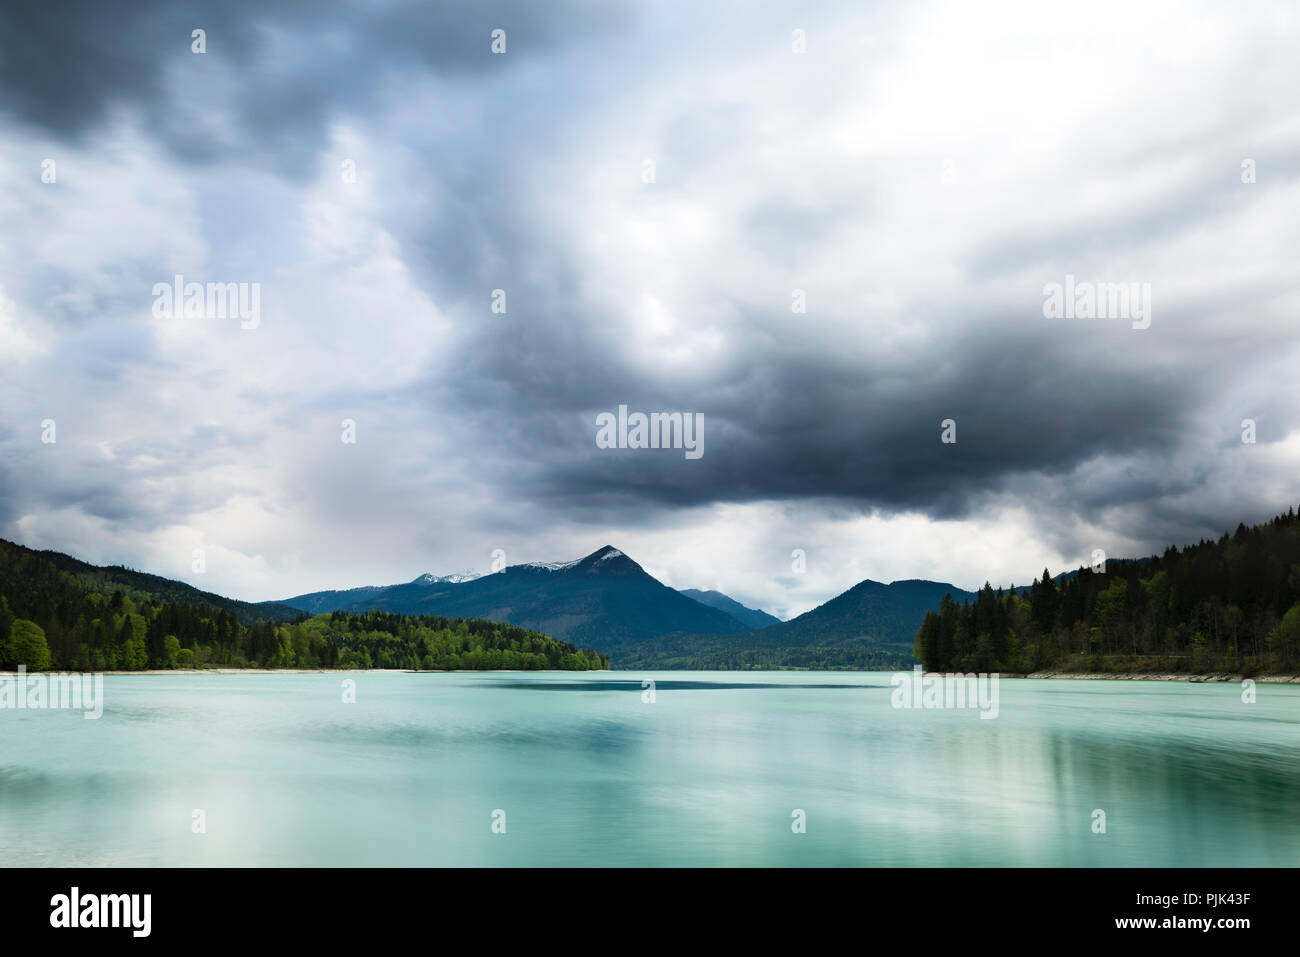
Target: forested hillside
x: 1231, y: 605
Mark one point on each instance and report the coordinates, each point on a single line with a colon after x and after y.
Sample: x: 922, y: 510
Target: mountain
x: 882, y: 615
x: 751, y: 617
x: 870, y: 626
x: 323, y: 602
x: 604, y: 601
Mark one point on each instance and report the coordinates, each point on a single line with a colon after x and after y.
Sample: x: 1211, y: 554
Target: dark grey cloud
x: 65, y: 67
x: 783, y: 426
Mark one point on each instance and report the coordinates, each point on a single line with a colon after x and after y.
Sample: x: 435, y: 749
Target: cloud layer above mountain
x: 655, y: 189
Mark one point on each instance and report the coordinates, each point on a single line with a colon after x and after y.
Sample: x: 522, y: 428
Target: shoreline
x: 1040, y: 675
x: 1162, y: 676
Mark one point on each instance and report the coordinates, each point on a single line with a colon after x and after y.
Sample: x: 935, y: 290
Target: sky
x: 826, y: 228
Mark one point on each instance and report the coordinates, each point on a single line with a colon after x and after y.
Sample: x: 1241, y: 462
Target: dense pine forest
x: 1231, y: 605
x: 61, y: 614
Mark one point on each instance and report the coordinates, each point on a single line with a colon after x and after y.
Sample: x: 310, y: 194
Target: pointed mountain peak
x: 608, y: 558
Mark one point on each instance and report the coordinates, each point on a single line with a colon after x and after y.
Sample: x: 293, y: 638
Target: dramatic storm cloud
x: 825, y: 229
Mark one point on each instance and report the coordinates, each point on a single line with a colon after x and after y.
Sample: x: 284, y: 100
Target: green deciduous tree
x: 27, y: 646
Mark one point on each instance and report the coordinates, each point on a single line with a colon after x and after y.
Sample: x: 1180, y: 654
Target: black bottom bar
x: 923, y: 907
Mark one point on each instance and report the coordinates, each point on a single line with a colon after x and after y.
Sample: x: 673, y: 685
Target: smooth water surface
x: 587, y: 772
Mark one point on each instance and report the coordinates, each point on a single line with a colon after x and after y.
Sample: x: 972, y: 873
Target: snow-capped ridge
x: 549, y: 566
x: 601, y: 556
x: 455, y: 578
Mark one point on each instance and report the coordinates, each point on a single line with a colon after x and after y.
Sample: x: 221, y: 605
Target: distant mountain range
x: 608, y: 602
x: 604, y: 599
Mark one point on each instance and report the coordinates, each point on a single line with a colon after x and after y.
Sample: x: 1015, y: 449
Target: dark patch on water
x: 670, y: 685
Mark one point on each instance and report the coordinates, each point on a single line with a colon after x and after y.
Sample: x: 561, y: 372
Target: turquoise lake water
x: 709, y: 773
